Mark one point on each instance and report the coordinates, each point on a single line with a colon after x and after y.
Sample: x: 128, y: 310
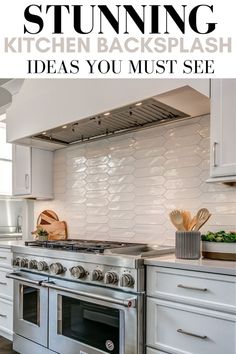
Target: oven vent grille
x: 150, y: 112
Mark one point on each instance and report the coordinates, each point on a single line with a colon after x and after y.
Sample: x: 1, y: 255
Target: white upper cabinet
x: 32, y: 172
x: 223, y: 130
x: 21, y: 170
x: 5, y: 162
x: 42, y: 105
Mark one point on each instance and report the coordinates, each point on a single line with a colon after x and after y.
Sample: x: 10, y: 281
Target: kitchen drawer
x: 5, y: 258
x: 6, y: 285
x: 177, y: 328
x: 214, y: 291
x: 6, y: 316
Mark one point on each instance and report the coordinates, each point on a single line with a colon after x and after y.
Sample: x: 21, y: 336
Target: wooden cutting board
x: 47, y: 217
x: 49, y: 221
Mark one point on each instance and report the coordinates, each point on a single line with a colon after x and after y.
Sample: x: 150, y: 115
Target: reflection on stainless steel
x: 142, y: 251
x: 91, y: 293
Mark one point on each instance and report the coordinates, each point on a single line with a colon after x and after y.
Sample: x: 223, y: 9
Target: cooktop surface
x: 85, y: 246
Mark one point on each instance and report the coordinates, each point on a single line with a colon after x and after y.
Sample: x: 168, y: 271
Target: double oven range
x: 79, y: 297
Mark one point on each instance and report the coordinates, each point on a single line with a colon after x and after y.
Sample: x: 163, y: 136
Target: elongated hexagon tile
x: 123, y: 188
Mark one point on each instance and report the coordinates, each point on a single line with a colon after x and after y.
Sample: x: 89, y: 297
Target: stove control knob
x: 78, y: 272
x: 97, y: 275
x: 127, y: 281
x: 42, y: 266
x: 56, y: 268
x: 24, y: 262
x: 33, y: 264
x: 111, y: 278
x: 16, y: 262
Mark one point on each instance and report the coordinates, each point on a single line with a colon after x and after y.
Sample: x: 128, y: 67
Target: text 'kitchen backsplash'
x: 123, y: 188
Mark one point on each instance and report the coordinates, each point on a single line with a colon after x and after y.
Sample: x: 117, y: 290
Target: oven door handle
x: 18, y: 276
x: 130, y: 302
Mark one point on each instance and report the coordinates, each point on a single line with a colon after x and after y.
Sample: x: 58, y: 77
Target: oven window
x: 30, y: 304
x: 91, y: 324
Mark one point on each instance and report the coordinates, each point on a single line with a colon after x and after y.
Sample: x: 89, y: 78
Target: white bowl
x: 219, y: 250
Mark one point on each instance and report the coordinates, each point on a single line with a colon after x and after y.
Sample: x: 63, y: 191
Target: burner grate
x: 83, y: 246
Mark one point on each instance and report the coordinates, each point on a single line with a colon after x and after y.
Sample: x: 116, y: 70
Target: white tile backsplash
x: 123, y: 188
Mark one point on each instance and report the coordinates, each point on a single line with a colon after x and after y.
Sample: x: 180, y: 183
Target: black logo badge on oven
x: 110, y: 345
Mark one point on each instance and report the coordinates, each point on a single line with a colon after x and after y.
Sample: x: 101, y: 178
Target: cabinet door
x: 223, y: 128
x: 21, y: 165
x: 6, y: 319
x: 180, y: 329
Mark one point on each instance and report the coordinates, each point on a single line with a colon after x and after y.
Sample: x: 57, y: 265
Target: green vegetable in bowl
x: 220, y: 236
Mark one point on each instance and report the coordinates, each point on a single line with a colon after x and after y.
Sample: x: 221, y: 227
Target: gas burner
x: 84, y: 246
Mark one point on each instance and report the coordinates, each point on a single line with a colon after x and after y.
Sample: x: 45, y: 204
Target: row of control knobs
x: 78, y: 272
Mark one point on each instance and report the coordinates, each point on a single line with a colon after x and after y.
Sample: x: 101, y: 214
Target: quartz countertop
x: 9, y: 243
x: 201, y: 265
x: 10, y: 236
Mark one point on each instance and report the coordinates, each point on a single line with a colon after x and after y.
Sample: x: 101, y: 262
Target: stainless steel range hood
x: 57, y: 113
x: 142, y: 114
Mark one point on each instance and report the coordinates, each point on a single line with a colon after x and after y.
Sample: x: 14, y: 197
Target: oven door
x: 30, y: 307
x: 89, y: 320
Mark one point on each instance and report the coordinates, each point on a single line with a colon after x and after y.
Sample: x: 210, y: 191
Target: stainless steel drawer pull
x: 3, y: 257
x: 3, y: 316
x: 191, y: 287
x: 214, y: 154
x: 3, y: 283
x: 26, y: 181
x: 191, y: 334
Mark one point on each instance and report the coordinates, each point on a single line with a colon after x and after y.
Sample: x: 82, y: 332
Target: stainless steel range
x: 80, y: 297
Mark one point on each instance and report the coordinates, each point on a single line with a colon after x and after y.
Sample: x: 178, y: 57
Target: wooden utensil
x: 201, y: 218
x: 177, y: 220
x: 192, y: 223
x: 186, y: 219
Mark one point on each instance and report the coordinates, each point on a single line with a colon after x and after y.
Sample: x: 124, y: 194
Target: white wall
x: 123, y: 188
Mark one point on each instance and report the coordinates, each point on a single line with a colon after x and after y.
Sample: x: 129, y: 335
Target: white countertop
x: 201, y: 265
x: 10, y: 243
x: 168, y: 261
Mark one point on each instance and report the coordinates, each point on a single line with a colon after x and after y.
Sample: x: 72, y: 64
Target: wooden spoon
x: 177, y: 220
x: 187, y: 219
x: 201, y: 218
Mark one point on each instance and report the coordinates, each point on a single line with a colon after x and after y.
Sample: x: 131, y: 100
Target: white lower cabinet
x: 6, y: 294
x: 182, y: 312
x: 213, y: 291
x: 6, y: 318
x: 182, y: 329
